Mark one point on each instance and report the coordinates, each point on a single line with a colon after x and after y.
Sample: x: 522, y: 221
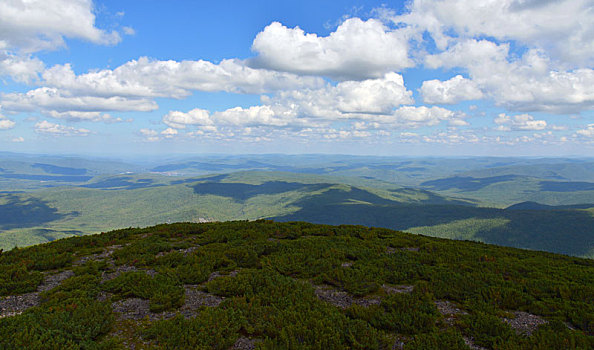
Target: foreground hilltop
x: 269, y: 285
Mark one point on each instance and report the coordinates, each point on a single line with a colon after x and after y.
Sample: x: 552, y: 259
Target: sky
x: 414, y: 78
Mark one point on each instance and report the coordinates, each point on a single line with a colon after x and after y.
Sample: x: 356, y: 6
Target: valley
x: 489, y: 200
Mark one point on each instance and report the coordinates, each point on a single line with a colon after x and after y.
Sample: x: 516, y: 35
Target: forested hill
x: 113, y: 202
x: 269, y: 285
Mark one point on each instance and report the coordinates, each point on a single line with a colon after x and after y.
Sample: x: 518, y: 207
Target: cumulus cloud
x: 6, y: 123
x: 356, y: 50
x: 566, y: 34
x: 348, y: 99
x: 34, y: 25
x: 469, y: 53
x: 451, y: 91
x: 133, y: 86
x: 415, y: 117
x: 23, y: 69
x: 554, y: 74
x: 587, y: 132
x: 45, y: 127
x: 447, y: 137
x: 56, y: 102
x: 169, y: 133
x: 257, y: 115
x: 179, y: 120
x: 148, y: 132
x: 528, y: 83
x: 150, y: 135
x: 367, y: 99
x: 522, y: 122
x: 84, y: 116
x: 279, y: 117
x: 497, y: 50
x: 18, y: 139
x: 176, y: 79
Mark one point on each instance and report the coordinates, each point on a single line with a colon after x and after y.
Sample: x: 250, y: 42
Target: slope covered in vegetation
x: 113, y: 202
x: 295, y: 285
x: 142, y: 200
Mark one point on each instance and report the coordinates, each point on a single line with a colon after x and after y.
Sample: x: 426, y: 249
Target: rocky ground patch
x: 13, y: 305
x: 524, y: 323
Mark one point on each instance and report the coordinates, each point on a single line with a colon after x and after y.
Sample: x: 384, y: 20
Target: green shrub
x: 215, y: 329
x: 401, y: 313
x: 443, y: 340
x: 163, y: 292
x: 487, y: 330
x: 78, y: 325
x: 16, y: 279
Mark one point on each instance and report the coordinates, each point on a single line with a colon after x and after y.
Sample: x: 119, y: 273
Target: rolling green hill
x: 141, y: 200
x: 268, y: 285
x: 506, y: 190
x: 121, y: 201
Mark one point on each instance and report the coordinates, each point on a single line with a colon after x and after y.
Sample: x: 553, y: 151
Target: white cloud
x: 457, y: 122
x: 179, y: 120
x: 528, y: 83
x: 346, y: 100
x: 367, y: 99
x: 133, y: 85
x: 343, y: 134
x: 373, y: 95
x: 150, y: 135
x: 6, y: 124
x: 45, y: 127
x: 151, y: 78
x: 553, y: 75
x: 451, y: 91
x: 452, y: 138
x: 52, y: 101
x: 364, y: 105
x: 256, y: 115
x: 18, y: 139
x: 34, y: 25
x: 129, y: 30
x: 587, y: 132
x: 522, y: 122
x: 562, y: 28
x: 403, y: 117
x: 356, y: 50
x: 415, y: 117
x: 84, y: 116
x: 148, y: 132
x: 169, y: 133
x: 543, y: 138
x: 469, y: 53
x: 23, y: 69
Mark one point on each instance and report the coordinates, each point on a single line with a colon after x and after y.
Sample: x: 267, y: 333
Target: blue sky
x: 455, y: 77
